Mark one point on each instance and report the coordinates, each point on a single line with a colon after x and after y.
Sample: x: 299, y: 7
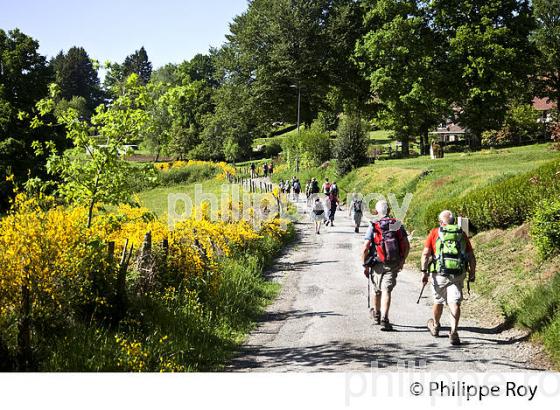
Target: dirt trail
x: 320, y: 320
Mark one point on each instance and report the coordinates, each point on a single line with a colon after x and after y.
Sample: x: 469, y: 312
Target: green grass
x: 431, y: 181
x: 381, y: 137
x: 513, y: 280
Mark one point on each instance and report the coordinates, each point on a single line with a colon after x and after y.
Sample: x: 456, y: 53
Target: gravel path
x: 320, y: 320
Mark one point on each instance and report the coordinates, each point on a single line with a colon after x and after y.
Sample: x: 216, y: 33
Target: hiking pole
x: 421, y: 292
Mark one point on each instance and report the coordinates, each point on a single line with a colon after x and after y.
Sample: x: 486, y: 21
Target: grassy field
x: 432, y: 180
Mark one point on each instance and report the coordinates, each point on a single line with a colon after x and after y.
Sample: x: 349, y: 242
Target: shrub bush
x: 312, y: 146
x: 506, y: 203
x: 185, y: 315
x: 545, y: 227
x: 351, y: 144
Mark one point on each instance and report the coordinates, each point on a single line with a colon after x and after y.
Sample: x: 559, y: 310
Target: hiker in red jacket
x: 385, y: 250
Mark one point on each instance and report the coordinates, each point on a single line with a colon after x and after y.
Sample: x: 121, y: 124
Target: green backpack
x: 451, y: 251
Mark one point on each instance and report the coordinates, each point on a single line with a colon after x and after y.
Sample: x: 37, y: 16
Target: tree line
x: 406, y: 65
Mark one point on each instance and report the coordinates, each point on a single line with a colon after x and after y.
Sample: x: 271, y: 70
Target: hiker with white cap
x: 385, y: 250
x: 447, y: 257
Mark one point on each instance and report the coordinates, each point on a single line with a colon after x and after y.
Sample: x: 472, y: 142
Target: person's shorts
x: 319, y: 216
x: 448, y: 289
x: 383, y: 279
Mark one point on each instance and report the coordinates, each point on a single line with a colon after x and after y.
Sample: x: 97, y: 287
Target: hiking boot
x: 433, y: 328
x: 327, y: 223
x: 356, y: 230
x: 386, y: 326
x: 375, y: 316
x: 454, y: 339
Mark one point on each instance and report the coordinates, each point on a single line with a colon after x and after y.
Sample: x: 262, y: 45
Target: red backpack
x: 388, y: 244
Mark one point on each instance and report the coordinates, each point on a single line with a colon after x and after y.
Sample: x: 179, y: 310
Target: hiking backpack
x: 387, y: 242
x: 357, y: 206
x: 451, y: 251
x: 314, y: 187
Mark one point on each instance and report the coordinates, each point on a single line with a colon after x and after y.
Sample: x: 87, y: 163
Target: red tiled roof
x: 543, y: 104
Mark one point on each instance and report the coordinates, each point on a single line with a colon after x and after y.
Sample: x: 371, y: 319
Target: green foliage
x: 311, y: 147
x: 486, y: 63
x: 540, y: 306
x: 95, y: 170
x: 351, y: 144
x: 506, y: 203
x: 198, y: 333
x: 24, y: 79
x: 139, y: 64
x: 278, y: 48
x: 76, y: 76
x: 546, y: 38
x: 520, y: 127
x: 401, y: 56
x: 545, y: 227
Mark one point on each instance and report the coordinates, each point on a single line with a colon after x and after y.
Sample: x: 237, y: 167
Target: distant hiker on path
x: 447, y: 257
x: 385, y: 250
x: 265, y: 170
x: 318, y: 214
x: 326, y: 187
x: 356, y: 210
x: 332, y: 205
x: 253, y: 170
x: 270, y: 169
x: 314, y: 186
x: 297, y: 190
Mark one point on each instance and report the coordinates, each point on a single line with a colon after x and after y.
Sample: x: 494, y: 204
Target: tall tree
x: 489, y: 57
x: 401, y: 57
x: 546, y: 38
x: 76, y: 75
x: 24, y: 79
x: 282, y: 48
x: 138, y: 63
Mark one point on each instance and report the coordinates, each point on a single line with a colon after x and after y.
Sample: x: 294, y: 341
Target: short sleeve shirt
x: 432, y: 238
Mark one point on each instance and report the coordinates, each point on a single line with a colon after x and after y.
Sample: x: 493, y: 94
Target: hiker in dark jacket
x: 385, y: 250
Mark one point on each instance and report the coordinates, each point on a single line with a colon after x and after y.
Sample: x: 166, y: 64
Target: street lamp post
x: 298, y: 118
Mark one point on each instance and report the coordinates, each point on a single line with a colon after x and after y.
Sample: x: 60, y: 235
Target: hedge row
x: 510, y: 202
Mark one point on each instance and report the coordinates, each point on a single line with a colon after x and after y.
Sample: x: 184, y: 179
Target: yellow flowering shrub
x: 47, y: 248
x: 223, y: 166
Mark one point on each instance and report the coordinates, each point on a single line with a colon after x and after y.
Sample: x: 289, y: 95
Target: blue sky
x: 170, y: 30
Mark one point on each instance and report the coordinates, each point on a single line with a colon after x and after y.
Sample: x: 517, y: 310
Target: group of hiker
x: 292, y: 187
x: 268, y: 169
x: 323, y: 207
x: 447, y: 260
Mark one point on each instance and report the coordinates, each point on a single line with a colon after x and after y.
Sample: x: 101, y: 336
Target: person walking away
x: 314, y: 186
x: 334, y: 188
x: 332, y: 202
x: 308, y: 188
x: 326, y: 187
x: 355, y: 209
x: 270, y: 169
x: 288, y: 187
x: 297, y: 190
x: 318, y: 215
x: 447, y: 258
x: 265, y: 170
x: 386, y: 248
x: 252, y: 170
x: 281, y: 186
